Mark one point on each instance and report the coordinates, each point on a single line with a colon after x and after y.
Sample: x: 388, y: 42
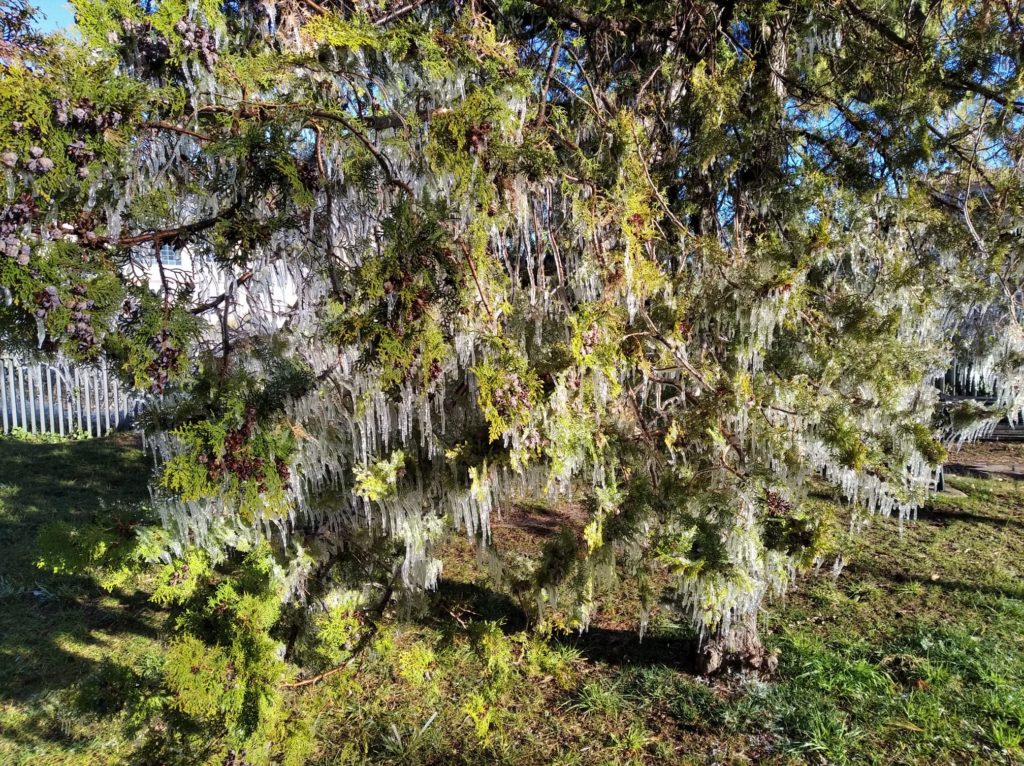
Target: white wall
x: 253, y: 300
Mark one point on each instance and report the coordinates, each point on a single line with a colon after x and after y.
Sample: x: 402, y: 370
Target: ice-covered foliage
x: 681, y: 265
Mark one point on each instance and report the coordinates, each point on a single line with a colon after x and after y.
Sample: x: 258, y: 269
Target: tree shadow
x: 949, y: 515
x: 624, y: 648
x: 67, y: 480
x: 950, y: 586
x: 454, y: 602
x: 56, y: 629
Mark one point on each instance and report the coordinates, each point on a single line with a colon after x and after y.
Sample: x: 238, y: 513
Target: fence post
x: 3, y: 391
x: 106, y: 397
x: 31, y: 399
x: 13, y: 394
x: 117, y: 404
x: 79, y: 387
x: 41, y: 398
x: 99, y: 406
x: 59, y: 401
x: 87, y: 378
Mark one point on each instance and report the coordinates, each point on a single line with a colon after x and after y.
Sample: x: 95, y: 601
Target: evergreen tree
x: 675, y: 262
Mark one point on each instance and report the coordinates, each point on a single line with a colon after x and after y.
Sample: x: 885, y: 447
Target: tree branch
x: 364, y: 640
x: 398, y: 13
x: 215, y: 302
x: 161, y: 235
x: 175, y: 129
x: 905, y: 45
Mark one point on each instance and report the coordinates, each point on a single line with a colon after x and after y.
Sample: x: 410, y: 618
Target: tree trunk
x: 739, y: 648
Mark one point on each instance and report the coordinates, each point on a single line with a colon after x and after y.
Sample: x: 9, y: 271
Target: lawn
x: 913, y: 654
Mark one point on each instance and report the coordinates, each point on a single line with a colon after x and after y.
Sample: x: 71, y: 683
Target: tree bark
x: 738, y: 648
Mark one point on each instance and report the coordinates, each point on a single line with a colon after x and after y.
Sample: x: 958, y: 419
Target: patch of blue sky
x: 54, y: 15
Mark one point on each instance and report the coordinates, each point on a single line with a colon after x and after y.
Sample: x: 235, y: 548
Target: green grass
x: 913, y: 655
x: 62, y: 639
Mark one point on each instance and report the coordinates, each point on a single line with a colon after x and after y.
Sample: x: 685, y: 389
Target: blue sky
x: 54, y: 14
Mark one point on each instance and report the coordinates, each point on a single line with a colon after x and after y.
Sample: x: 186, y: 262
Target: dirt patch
x: 540, y: 520
x: 988, y: 460
x: 987, y: 452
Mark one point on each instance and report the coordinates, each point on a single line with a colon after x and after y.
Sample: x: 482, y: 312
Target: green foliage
x: 378, y: 480
x: 807, y: 532
x: 846, y: 441
x: 179, y: 581
x: 356, y: 33
x: 239, y: 456
x: 414, y: 664
x: 933, y: 450
x: 599, y: 698
x: 223, y: 668
x: 114, y: 550
x: 506, y: 394
x: 517, y: 253
x: 20, y: 434
x: 336, y: 631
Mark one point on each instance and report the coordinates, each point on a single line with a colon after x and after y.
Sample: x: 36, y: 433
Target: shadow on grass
x: 453, y: 599
x: 930, y: 513
x: 950, y: 586
x: 609, y: 646
x: 53, y: 627
x: 624, y: 648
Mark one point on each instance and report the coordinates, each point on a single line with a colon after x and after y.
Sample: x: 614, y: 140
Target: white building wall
x: 182, y: 267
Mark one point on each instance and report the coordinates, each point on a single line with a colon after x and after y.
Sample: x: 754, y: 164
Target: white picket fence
x: 59, y: 397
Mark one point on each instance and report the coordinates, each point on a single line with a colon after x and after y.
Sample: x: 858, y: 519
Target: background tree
x: 674, y: 262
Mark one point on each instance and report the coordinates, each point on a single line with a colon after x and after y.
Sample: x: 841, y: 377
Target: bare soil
x: 989, y: 453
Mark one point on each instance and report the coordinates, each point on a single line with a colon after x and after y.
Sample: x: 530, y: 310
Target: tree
x: 676, y: 262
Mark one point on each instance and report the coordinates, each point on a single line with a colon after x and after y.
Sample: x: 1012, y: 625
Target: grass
x: 62, y: 636
x: 914, y: 654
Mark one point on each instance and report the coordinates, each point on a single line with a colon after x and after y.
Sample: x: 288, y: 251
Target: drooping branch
x: 216, y: 301
x: 175, y: 129
x: 163, y: 235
